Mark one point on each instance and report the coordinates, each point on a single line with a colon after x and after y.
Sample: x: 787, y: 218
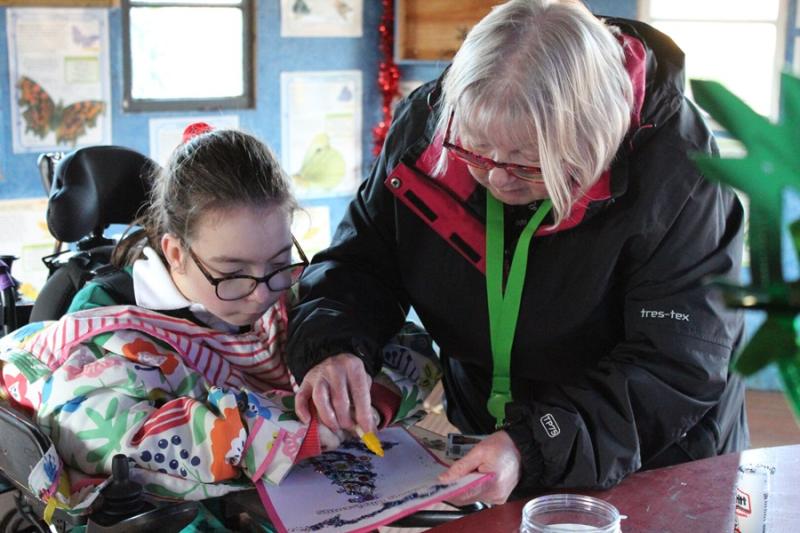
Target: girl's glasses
x: 240, y: 285
x: 523, y: 172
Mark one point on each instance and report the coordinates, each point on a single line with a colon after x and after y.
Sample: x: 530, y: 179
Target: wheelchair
x: 90, y: 189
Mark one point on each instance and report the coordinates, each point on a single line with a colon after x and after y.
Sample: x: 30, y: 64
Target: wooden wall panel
x: 434, y: 29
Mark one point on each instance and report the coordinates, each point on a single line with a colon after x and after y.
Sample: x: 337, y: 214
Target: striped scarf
x: 229, y: 360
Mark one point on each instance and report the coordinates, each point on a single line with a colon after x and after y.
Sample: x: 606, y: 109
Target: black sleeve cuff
x: 364, y: 349
x: 518, y: 427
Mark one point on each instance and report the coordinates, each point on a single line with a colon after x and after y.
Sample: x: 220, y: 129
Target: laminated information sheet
x: 351, y: 489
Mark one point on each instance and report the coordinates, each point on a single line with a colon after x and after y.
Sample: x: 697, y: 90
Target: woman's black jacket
x: 621, y: 354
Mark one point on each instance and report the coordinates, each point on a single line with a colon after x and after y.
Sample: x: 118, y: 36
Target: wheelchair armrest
x: 22, y: 444
x: 170, y: 518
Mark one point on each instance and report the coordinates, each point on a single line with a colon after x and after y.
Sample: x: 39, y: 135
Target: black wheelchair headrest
x: 96, y: 186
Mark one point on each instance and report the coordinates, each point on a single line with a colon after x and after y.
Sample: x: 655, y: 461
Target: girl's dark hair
x: 219, y: 169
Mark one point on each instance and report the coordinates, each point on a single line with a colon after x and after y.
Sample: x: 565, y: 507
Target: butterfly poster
x: 59, y: 77
x: 350, y: 489
x: 322, y: 18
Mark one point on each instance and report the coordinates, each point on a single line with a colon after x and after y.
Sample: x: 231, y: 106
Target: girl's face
x: 240, y: 240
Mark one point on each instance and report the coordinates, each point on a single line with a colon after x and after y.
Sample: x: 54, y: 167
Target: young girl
x: 177, y: 359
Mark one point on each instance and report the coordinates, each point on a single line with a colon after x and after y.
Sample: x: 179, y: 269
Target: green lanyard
x: 504, y: 308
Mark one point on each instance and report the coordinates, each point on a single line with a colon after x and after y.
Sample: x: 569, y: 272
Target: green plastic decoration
x: 771, y: 166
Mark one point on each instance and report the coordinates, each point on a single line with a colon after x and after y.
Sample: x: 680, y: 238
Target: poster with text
x: 322, y: 18
x: 321, y: 131
x: 24, y: 235
x: 59, y: 74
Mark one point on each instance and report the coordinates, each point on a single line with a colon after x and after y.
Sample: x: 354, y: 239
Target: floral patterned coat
x: 198, y: 412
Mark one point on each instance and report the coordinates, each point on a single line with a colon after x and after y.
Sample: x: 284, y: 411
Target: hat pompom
x: 195, y: 129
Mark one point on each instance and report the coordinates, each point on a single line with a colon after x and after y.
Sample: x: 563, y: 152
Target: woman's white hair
x: 546, y: 72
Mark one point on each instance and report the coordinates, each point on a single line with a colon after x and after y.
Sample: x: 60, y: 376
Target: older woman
x: 538, y: 208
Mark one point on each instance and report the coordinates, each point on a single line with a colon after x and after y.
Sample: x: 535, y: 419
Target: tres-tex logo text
x: 646, y: 313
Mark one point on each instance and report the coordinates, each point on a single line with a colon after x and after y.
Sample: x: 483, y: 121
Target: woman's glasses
x: 240, y: 286
x: 523, y: 172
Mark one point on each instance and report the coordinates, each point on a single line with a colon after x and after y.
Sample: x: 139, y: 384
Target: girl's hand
x: 496, y: 454
x: 328, y: 439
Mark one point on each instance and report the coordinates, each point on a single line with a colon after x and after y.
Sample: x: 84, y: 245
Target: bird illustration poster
x: 355, y: 490
x: 322, y: 18
x: 312, y: 227
x: 60, y: 82
x: 321, y: 131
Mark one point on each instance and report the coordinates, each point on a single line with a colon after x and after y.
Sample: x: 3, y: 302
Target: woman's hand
x: 496, y: 454
x: 337, y: 388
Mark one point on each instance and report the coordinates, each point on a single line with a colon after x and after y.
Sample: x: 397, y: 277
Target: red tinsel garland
x: 388, y: 75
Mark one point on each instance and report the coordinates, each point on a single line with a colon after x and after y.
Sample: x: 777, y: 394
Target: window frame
x: 782, y: 35
x: 244, y: 101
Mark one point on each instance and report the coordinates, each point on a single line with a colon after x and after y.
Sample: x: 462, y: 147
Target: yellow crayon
x: 370, y: 440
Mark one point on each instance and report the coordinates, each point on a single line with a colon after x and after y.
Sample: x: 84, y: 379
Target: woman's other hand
x: 497, y: 455
x: 338, y: 389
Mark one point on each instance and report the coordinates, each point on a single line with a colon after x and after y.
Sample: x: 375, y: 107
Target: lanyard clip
x: 497, y: 406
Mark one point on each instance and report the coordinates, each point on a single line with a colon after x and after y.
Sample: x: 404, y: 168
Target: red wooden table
x: 692, y: 497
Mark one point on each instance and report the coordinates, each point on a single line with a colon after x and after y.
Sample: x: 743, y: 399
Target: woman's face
x: 240, y: 240
x: 503, y: 185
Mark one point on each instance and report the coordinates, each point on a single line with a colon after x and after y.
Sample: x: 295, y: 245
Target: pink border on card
x: 267, y: 503
x: 273, y: 513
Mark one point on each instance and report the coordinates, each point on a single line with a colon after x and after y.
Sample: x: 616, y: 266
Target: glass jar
x: 562, y: 513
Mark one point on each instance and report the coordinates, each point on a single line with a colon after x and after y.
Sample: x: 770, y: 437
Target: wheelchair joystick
x: 122, y: 496
x: 124, y: 509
